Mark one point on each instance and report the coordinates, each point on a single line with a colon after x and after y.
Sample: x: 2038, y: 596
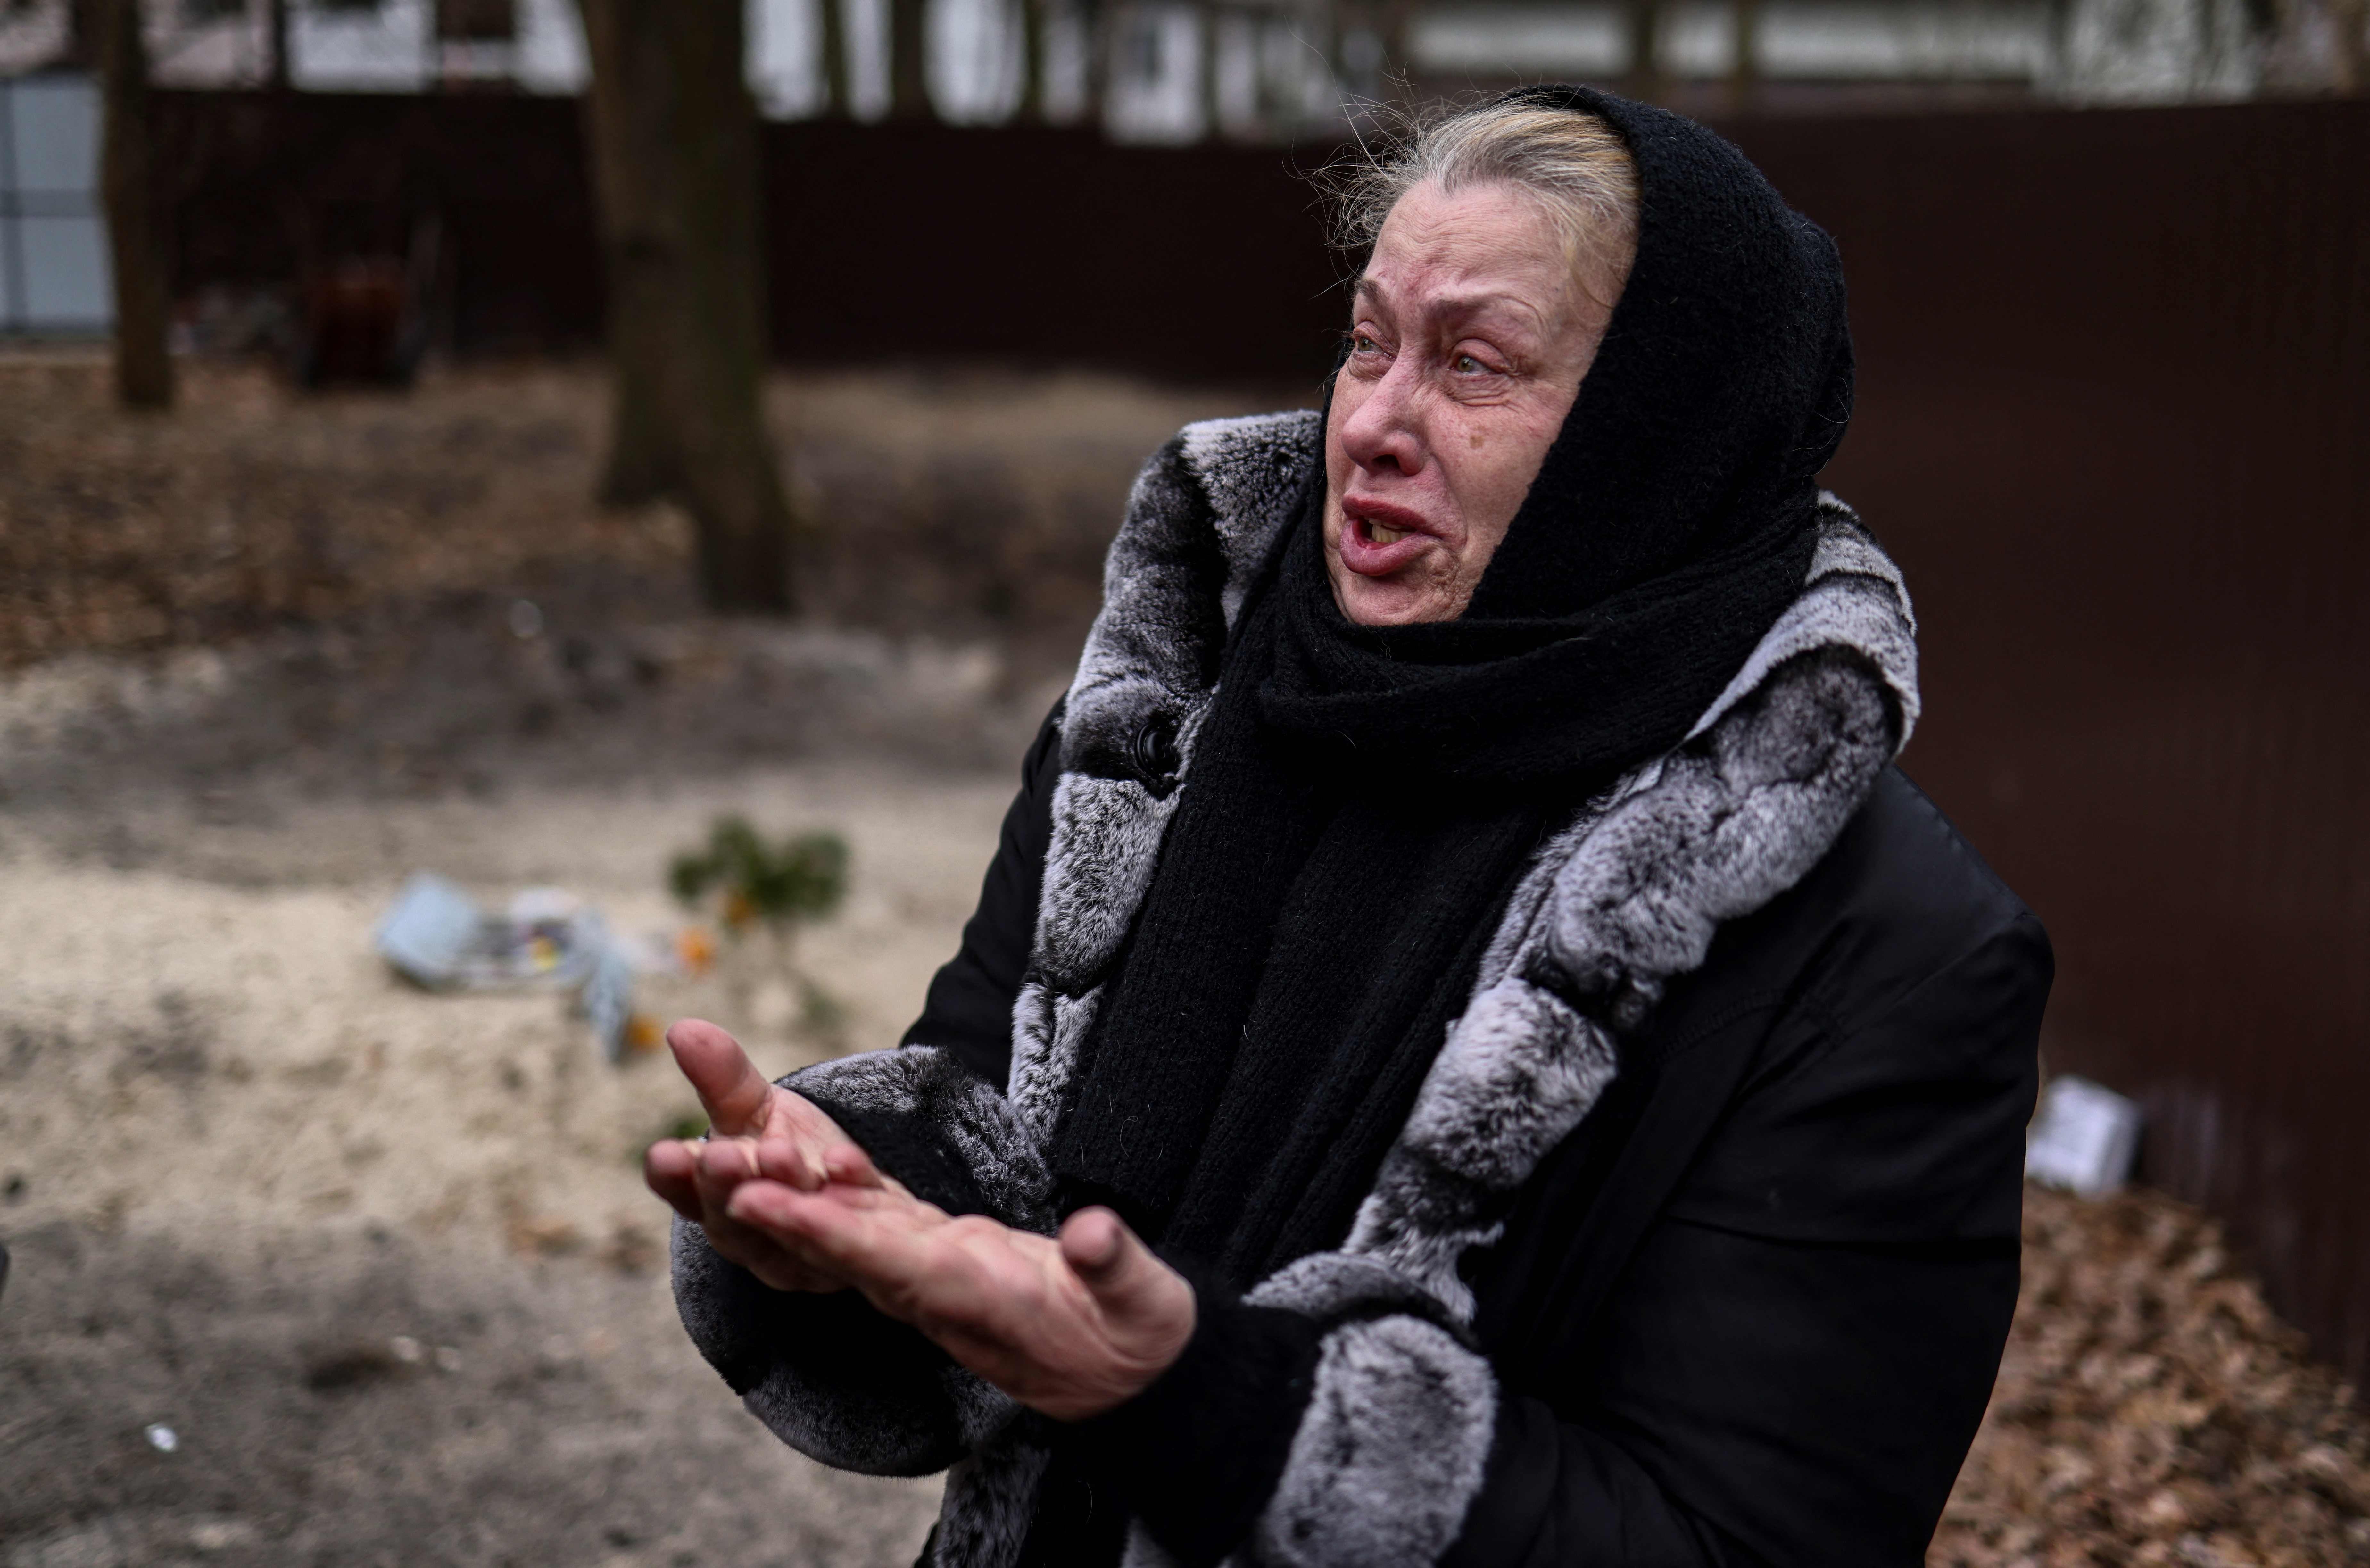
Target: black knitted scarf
x: 1361, y: 801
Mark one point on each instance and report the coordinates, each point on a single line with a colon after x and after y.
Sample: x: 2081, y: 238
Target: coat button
x: 1154, y: 751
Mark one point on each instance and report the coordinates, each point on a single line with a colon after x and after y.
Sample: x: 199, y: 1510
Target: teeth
x: 1382, y: 536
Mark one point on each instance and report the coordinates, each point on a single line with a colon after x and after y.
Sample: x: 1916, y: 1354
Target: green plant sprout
x: 780, y: 886
x: 801, y: 880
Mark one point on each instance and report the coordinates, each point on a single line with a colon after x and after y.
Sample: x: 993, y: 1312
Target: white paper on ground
x: 2083, y: 1138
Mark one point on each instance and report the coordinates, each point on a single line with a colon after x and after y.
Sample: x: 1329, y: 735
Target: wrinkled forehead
x: 1473, y: 248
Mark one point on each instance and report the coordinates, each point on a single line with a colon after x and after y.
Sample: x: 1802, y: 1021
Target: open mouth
x: 1379, y: 537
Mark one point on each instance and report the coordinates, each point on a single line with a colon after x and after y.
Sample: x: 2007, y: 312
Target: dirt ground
x: 381, y: 1260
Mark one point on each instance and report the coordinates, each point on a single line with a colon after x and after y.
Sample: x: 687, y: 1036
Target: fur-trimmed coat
x: 1699, y: 1245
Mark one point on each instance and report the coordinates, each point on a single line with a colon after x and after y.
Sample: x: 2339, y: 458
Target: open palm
x: 755, y: 1130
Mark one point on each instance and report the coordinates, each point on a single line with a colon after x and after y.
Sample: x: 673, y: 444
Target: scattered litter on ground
x: 2152, y: 1410
x: 2084, y: 1137
x: 161, y: 1437
x: 439, y: 938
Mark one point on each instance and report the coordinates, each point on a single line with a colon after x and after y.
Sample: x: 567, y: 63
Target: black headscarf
x: 1363, y: 799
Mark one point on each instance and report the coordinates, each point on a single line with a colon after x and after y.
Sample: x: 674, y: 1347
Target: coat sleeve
x: 1790, y: 1369
x: 829, y: 1374
x: 967, y: 1011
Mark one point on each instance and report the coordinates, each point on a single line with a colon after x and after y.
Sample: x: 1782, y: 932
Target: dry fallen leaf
x: 2152, y: 1410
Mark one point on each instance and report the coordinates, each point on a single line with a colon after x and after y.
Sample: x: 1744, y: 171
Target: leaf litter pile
x: 2152, y: 1409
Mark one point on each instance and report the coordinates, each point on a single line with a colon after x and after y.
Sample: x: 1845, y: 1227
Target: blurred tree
x: 1371, y: 54
x: 674, y: 142
x: 909, y: 65
x: 1393, y: 21
x: 144, y: 363
x: 2353, y: 69
x: 1744, y: 68
x: 275, y: 18
x: 1645, y: 82
x: 1031, y: 109
x: 833, y: 47
x: 1095, y: 31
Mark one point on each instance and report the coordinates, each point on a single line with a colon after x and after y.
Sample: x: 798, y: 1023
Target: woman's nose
x: 1384, y: 430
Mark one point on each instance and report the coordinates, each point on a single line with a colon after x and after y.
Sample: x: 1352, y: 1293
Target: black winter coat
x: 1699, y: 1246
x: 1755, y: 1303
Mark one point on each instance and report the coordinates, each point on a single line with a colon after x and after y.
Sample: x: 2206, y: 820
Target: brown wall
x: 2115, y: 421
x: 2114, y: 414
x: 886, y: 241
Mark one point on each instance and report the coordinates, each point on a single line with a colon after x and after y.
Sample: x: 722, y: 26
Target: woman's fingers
x: 847, y: 1164
x: 729, y: 1088
x: 1131, y: 1287
x: 719, y: 1167
x: 875, y: 1238
x: 670, y: 1167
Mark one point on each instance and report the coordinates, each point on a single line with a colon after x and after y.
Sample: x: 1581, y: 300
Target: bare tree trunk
x: 276, y: 23
x: 909, y: 73
x: 1214, y: 35
x: 833, y: 46
x: 1032, y: 62
x: 1095, y: 40
x: 1393, y: 22
x: 675, y: 140
x: 144, y: 364
x: 1645, y: 64
x: 1744, y: 71
x: 2353, y: 69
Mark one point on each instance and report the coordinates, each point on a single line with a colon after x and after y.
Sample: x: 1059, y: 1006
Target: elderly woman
x: 1469, y: 1052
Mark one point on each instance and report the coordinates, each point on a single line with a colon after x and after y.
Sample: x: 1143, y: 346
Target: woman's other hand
x: 755, y: 1130
x: 1070, y: 1326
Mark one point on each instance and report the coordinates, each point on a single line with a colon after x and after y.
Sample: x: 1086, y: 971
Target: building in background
x: 53, y: 266
x: 1180, y: 70
x: 1159, y: 71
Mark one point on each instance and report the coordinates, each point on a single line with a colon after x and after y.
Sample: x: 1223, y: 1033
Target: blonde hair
x: 1573, y: 163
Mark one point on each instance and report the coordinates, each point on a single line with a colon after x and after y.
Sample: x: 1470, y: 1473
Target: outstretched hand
x: 755, y: 1130
x: 1070, y: 1326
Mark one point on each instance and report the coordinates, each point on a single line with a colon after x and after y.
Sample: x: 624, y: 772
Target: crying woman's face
x: 1471, y: 330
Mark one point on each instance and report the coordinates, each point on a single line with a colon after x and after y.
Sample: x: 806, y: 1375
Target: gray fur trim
x: 1725, y: 826
x: 1734, y: 821
x: 1854, y: 597
x: 1106, y: 840
x: 1251, y: 469
x: 1331, y: 1286
x: 1045, y: 1052
x: 989, y: 1501
x: 1390, y: 1453
x: 979, y: 1125
x: 1137, y: 703
x: 1519, y: 1071
x: 1530, y: 895
x: 906, y: 1420
x: 1143, y: 1552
